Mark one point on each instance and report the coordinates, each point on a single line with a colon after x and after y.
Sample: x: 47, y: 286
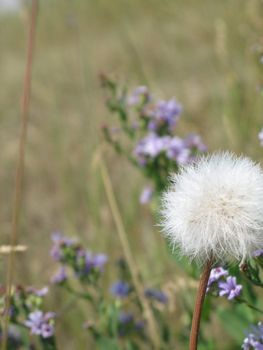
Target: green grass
x: 205, y: 53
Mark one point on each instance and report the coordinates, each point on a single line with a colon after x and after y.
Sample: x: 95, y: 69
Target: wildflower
x: 214, y: 208
x: 40, y: 323
x: 254, y: 339
x: 120, y: 289
x: 60, y: 241
x: 177, y: 150
x: 230, y: 288
x: 194, y: 141
x: 165, y: 113
x: 38, y: 292
x: 216, y: 274
x: 151, y: 146
x: 88, y: 262
x: 156, y: 295
x: 257, y: 253
x: 146, y: 195
x: 139, y: 95
x: 99, y: 260
x: 60, y: 276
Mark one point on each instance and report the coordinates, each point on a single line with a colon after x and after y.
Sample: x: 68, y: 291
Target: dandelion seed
x: 214, y: 208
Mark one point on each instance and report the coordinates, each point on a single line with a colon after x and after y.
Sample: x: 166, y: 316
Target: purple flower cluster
x: 38, y: 292
x: 223, y: 284
x: 128, y: 325
x: 254, y: 339
x: 60, y: 243
x: 71, y: 254
x: 139, y: 96
x: 160, y: 119
x: 163, y: 115
x: 60, y: 276
x: 41, y: 323
x: 215, y: 276
x: 258, y: 253
x: 149, y: 125
x: 157, y: 295
x: 182, y: 151
x: 120, y: 289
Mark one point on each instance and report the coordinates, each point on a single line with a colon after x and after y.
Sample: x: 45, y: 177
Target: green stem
x: 243, y: 301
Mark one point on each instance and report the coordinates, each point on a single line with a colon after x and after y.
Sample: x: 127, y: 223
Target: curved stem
x: 198, y: 305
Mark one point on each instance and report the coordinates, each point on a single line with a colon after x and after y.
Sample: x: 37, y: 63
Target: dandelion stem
x: 20, y: 166
x: 198, y: 305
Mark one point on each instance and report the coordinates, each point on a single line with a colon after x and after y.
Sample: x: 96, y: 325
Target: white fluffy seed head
x: 214, y: 208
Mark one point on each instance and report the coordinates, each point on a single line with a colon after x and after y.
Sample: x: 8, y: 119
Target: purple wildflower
x: 165, y: 112
x: 59, y: 241
x: 120, y: 289
x: 38, y: 292
x: 146, y: 194
x: 99, y: 260
x: 40, y: 323
x: 216, y: 275
x: 60, y: 276
x: 254, y: 339
x: 194, y: 141
x: 156, y: 295
x: 177, y: 150
x: 151, y: 146
x: 258, y: 253
x: 87, y: 262
x: 139, y: 95
x: 230, y: 288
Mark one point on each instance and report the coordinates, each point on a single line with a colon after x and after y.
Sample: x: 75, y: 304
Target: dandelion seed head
x: 214, y: 208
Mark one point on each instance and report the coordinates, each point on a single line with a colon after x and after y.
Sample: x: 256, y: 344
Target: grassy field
x: 205, y: 53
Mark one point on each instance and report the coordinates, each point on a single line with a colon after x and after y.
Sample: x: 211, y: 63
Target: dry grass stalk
x: 153, y: 329
x: 25, y: 103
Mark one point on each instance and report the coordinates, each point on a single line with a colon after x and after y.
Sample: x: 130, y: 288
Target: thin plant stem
x: 198, y: 305
x: 243, y: 301
x: 25, y: 104
x: 153, y: 329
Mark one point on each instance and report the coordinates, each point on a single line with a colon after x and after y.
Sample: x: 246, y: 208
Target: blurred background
x: 205, y: 53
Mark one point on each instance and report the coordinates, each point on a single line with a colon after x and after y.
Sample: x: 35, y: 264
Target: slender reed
x: 200, y: 297
x: 25, y: 103
x: 153, y: 330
